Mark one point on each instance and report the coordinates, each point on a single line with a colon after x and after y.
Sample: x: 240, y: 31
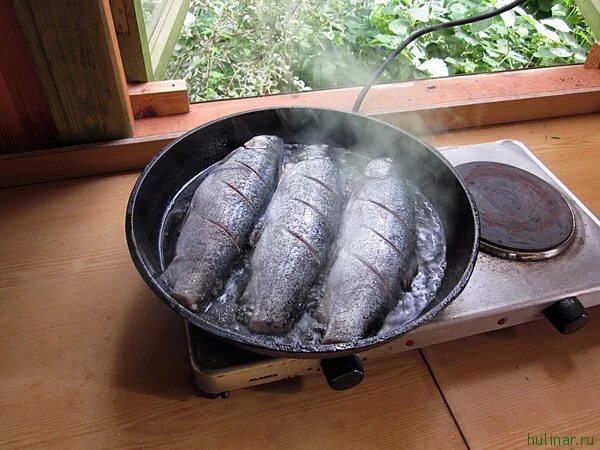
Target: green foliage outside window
x: 240, y: 48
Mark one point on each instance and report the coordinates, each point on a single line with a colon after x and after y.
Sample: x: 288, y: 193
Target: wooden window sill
x: 422, y: 107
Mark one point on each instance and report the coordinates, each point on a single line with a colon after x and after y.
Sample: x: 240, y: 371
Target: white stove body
x: 503, y: 293
x: 500, y: 292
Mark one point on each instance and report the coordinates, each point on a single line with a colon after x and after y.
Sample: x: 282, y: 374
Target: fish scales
x: 220, y: 218
x: 374, y: 255
x: 300, y: 226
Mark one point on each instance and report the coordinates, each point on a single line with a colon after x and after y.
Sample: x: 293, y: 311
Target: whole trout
x: 300, y: 226
x: 220, y: 218
x: 374, y: 255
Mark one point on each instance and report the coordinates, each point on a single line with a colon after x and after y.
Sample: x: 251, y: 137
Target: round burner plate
x: 522, y: 216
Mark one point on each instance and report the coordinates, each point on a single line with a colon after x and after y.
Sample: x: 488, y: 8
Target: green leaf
x: 559, y: 10
x: 557, y: 24
x: 482, y: 24
x: 435, y: 67
x: 420, y: 13
x: 216, y: 74
x: 523, y: 32
x: 418, y: 51
x: 469, y: 66
x: 548, y: 34
x: 508, y: 18
x: 561, y: 52
x: 398, y: 27
x: 466, y: 37
x: 494, y: 53
x: 545, y: 5
x: 189, y: 20
x: 501, y: 44
x: 388, y: 41
x: 570, y: 39
x: 457, y: 10
x: 380, y: 20
x: 490, y: 62
x: 543, y: 52
x: 517, y: 57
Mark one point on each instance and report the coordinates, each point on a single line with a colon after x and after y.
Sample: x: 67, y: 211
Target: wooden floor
x: 89, y: 358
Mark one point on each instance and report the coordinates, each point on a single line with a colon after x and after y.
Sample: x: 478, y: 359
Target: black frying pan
x: 184, y: 158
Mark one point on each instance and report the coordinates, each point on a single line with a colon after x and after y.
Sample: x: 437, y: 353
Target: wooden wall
x: 77, y: 59
x: 25, y: 119
x: 61, y: 76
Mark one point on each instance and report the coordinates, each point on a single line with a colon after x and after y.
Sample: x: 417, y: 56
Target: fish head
x: 268, y: 142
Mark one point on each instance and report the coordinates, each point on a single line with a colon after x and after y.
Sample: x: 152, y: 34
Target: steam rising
x: 367, y: 139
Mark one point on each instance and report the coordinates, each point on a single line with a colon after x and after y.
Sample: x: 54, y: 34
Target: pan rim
x: 289, y: 350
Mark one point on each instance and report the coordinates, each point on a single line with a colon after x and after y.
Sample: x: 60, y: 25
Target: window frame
x: 146, y: 56
x: 455, y: 103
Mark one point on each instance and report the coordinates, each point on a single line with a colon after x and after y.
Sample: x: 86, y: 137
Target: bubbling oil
x: 224, y: 312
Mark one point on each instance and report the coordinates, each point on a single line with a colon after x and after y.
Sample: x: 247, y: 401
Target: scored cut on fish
x: 299, y: 227
x: 375, y: 254
x: 220, y: 218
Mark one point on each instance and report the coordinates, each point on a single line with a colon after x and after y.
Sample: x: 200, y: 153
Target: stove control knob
x: 343, y: 373
x: 567, y: 315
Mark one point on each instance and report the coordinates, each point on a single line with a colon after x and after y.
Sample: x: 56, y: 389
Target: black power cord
x: 417, y: 34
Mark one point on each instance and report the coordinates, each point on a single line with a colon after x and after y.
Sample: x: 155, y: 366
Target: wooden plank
x: 511, y: 385
x: 133, y: 40
x: 81, y: 160
x: 158, y: 9
x: 119, y: 15
x: 590, y: 9
x: 25, y: 119
x: 455, y: 94
x: 495, y: 111
x: 89, y: 357
x: 165, y: 35
x: 159, y: 98
x: 126, y: 154
x: 76, y: 55
x: 486, y: 99
x: 593, y: 58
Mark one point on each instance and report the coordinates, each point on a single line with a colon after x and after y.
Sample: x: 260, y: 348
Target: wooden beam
x: 593, y: 58
x: 518, y: 108
x: 133, y: 40
x: 165, y: 35
x: 159, y: 98
x: 590, y: 10
x: 25, y: 119
x: 423, y: 107
x: 430, y: 105
x: 79, y: 161
x: 74, y: 48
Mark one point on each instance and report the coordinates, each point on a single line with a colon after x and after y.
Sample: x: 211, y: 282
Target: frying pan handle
x: 343, y: 373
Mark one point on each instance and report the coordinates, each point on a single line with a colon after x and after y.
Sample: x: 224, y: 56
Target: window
x: 240, y: 48
x: 147, y: 31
